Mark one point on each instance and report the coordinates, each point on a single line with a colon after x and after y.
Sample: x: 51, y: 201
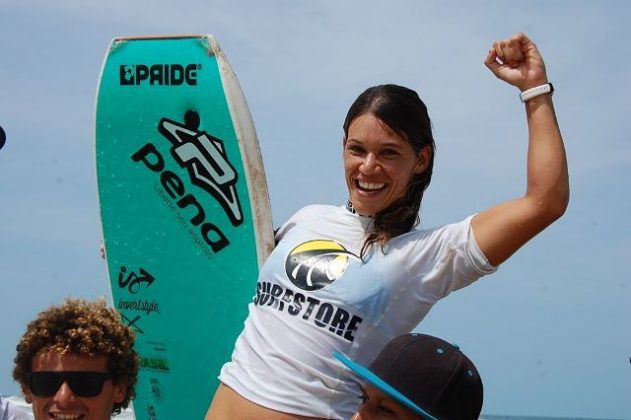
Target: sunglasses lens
x: 44, y: 384
x: 84, y: 384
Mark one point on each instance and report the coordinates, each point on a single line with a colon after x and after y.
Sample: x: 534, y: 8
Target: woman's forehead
x: 368, y: 126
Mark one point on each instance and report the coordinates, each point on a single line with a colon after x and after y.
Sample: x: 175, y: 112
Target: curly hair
x: 403, y: 111
x: 79, y: 327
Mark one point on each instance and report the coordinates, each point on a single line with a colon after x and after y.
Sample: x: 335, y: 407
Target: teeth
x: 60, y: 416
x: 370, y: 185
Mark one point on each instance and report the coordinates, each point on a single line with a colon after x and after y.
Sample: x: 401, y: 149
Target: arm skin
x: 503, y: 229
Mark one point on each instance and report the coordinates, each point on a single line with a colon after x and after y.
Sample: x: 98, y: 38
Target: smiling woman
x: 379, y: 164
x: 378, y: 276
x: 388, y: 159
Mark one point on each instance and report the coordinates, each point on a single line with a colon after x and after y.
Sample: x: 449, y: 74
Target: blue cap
x: 426, y: 374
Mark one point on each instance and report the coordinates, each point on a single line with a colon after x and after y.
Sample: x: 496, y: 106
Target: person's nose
x: 370, y: 164
x: 363, y: 413
x: 64, y: 395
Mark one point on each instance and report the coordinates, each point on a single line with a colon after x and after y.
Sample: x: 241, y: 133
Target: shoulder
x: 15, y: 408
x: 446, y: 236
x: 460, y: 227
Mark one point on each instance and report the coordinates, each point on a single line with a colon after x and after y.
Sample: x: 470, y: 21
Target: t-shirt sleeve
x: 449, y: 259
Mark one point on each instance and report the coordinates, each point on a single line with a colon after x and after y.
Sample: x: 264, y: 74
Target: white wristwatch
x: 536, y: 91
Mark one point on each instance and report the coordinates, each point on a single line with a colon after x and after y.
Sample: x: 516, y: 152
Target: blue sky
x: 550, y: 331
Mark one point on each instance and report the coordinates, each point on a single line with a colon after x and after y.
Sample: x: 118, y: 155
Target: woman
x: 351, y: 278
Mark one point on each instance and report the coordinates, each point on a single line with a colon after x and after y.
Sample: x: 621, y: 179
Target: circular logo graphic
x: 316, y: 264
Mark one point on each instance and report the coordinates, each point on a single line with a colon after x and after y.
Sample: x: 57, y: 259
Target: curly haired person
x: 76, y: 361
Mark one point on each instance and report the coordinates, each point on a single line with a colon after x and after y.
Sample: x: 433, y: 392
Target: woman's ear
x: 424, y: 157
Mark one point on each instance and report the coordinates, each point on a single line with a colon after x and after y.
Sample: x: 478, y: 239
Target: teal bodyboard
x: 184, y: 209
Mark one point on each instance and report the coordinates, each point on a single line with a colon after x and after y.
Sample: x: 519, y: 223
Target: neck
x: 349, y: 207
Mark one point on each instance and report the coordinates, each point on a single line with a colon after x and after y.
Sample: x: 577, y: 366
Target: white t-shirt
x: 315, y: 296
x: 15, y: 408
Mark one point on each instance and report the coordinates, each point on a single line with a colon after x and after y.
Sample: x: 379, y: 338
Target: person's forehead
x: 375, y: 393
x: 369, y: 126
x: 55, y: 361
x: 376, y: 396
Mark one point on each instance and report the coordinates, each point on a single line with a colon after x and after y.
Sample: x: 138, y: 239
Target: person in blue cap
x: 418, y: 376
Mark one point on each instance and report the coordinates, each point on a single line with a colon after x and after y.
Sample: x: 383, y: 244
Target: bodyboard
x: 185, y: 212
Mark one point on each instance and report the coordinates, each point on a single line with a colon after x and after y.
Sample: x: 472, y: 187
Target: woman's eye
x: 390, y: 153
x: 354, y: 150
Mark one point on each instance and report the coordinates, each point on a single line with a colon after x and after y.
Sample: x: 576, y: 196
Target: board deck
x: 184, y: 209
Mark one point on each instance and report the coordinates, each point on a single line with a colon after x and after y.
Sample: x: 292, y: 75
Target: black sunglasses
x: 84, y: 384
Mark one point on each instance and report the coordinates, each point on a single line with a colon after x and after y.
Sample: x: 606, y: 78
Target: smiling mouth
x: 65, y: 416
x: 369, y: 186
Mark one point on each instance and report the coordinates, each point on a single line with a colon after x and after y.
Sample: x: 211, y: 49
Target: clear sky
x: 550, y: 332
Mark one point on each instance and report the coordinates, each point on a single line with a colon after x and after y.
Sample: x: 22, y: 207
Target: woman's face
x: 378, y: 164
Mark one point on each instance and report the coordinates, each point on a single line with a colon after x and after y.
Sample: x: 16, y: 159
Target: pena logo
x: 316, y: 264
x: 205, y: 158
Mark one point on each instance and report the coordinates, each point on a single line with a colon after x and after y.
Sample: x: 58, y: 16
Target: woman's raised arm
x: 503, y: 229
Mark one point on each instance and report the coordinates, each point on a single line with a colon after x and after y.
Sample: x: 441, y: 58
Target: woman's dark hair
x: 403, y: 112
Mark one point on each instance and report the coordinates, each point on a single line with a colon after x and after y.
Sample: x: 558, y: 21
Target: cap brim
x: 368, y: 375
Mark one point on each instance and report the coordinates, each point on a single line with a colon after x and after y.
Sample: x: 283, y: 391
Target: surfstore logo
x: 205, y: 159
x: 159, y: 74
x: 316, y: 264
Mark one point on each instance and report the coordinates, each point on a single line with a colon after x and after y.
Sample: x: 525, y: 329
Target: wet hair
x: 82, y: 328
x: 403, y: 111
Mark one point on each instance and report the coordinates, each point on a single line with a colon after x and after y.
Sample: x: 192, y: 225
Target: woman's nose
x: 370, y: 164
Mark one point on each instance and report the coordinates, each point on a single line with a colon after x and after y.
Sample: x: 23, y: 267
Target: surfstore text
x: 322, y: 314
x: 159, y: 74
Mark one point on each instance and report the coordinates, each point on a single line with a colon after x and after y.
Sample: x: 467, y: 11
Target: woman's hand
x: 517, y: 61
